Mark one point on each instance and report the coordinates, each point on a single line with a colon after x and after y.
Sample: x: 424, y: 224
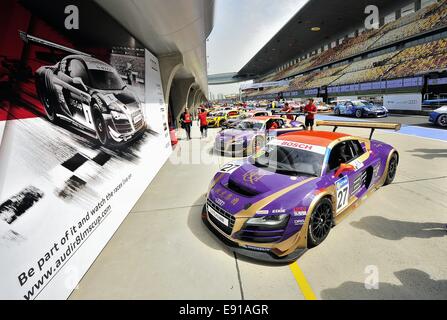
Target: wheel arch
x: 102, y: 106
x: 439, y: 116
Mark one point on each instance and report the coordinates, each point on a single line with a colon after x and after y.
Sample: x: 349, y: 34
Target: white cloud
x: 241, y: 29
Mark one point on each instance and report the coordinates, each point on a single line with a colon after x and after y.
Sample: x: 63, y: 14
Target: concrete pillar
x: 180, y: 90
x: 191, y: 93
x: 169, y: 65
x: 197, y: 95
x: 417, y: 5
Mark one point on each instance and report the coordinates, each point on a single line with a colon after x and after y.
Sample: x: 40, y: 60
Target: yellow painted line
x: 302, y: 282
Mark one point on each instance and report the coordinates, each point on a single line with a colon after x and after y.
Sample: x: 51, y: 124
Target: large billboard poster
x: 404, y: 101
x: 82, y: 132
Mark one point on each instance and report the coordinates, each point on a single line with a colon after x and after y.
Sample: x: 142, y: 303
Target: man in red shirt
x: 310, y: 110
x: 186, y: 121
x: 288, y: 109
x: 203, y: 122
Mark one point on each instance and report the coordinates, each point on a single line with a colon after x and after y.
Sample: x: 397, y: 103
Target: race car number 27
x: 229, y: 168
x: 342, y: 189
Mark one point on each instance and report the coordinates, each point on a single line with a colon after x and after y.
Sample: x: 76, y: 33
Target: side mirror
x: 78, y: 81
x: 344, y: 168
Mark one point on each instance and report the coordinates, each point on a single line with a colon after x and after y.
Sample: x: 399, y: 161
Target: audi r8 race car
x: 218, y: 118
x: 233, y: 122
x: 359, y: 109
x: 252, y: 134
x: 322, y: 107
x: 286, y: 198
x: 89, y: 94
x: 439, y: 117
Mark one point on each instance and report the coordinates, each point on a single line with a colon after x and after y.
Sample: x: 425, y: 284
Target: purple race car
x: 250, y: 135
x: 286, y: 198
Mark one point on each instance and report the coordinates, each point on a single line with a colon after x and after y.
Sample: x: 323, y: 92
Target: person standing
x: 203, y: 122
x: 288, y: 109
x: 310, y: 110
x: 186, y: 120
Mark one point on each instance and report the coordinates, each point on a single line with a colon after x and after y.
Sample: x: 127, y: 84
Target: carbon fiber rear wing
x: 29, y: 38
x: 357, y: 124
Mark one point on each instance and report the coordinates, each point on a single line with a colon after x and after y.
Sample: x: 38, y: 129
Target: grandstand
x: 412, y: 45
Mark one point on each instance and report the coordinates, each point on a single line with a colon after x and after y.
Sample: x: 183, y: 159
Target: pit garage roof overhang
x: 168, y: 27
x: 295, y: 39
x: 164, y: 27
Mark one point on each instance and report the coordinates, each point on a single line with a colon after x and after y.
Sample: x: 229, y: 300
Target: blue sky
x: 241, y: 29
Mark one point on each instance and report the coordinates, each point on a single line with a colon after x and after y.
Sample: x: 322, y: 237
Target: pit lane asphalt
x: 396, y: 238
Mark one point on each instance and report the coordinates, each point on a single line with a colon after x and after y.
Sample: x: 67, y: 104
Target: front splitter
x: 264, y: 256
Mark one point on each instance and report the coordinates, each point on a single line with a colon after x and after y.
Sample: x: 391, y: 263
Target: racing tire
x: 320, y: 223
x: 358, y: 113
x: 258, y: 143
x: 100, y: 126
x: 392, y: 169
x: 221, y: 123
x: 337, y: 112
x: 442, y: 120
x: 47, y: 94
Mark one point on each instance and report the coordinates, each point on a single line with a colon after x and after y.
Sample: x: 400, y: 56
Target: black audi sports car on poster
x: 90, y: 94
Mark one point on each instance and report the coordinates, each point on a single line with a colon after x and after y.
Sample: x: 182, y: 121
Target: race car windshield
x: 249, y: 125
x: 290, y: 161
x: 106, y: 80
x: 361, y: 103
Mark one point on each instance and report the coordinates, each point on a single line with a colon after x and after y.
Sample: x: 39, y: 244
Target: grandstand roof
x: 296, y: 38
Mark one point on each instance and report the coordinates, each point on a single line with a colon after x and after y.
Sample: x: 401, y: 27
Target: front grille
x: 223, y: 213
x: 260, y: 236
x: 122, y: 126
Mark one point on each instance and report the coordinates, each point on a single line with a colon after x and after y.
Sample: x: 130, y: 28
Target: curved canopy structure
x: 169, y: 28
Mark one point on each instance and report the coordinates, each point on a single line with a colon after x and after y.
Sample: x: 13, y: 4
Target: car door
x: 340, y: 154
x: 341, y: 107
x: 76, y: 95
x: 349, y: 108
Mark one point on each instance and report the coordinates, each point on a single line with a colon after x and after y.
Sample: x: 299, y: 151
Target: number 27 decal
x: 229, y: 167
x: 342, y: 190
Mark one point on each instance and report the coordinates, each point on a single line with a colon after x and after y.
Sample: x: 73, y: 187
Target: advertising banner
x: 83, y: 132
x: 265, y: 85
x: 407, y: 101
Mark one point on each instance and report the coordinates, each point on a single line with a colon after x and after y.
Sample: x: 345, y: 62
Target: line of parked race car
x: 230, y: 116
x: 292, y: 185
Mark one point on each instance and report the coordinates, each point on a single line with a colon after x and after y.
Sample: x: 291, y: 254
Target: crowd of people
x: 187, y: 118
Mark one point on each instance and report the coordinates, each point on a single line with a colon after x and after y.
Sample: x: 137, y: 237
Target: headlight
x: 269, y: 220
x: 118, y: 115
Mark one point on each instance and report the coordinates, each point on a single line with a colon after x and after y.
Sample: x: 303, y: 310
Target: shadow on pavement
x: 430, y: 154
x: 199, y: 229
x: 415, y: 284
x: 396, y: 230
